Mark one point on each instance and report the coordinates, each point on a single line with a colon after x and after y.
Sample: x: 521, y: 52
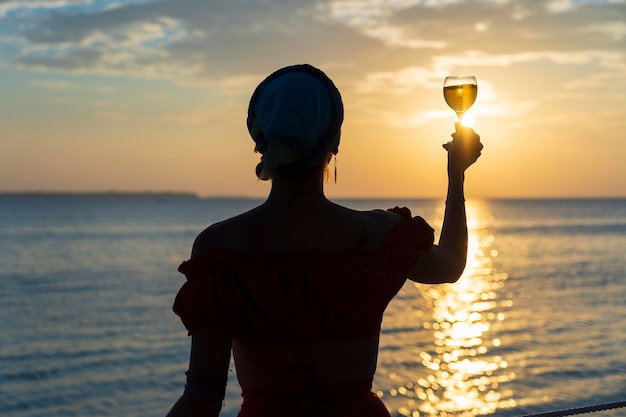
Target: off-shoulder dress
x: 303, y: 298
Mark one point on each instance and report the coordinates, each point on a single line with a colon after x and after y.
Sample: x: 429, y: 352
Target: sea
x: 536, y: 323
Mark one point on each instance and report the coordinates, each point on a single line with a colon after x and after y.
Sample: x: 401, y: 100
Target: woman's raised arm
x: 446, y: 261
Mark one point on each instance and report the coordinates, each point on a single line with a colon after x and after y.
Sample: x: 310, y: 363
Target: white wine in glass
x: 460, y: 93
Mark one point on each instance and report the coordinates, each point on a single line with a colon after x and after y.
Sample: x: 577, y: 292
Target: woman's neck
x: 309, y: 184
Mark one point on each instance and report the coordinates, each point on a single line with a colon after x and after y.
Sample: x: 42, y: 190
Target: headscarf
x: 295, y: 118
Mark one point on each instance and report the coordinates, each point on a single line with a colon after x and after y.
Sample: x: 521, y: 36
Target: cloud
x: 18, y: 7
x: 406, y: 80
x: 493, y: 104
x: 400, y: 82
x: 603, y: 59
x: 230, y: 45
x: 560, y: 6
x: 374, y: 19
x: 183, y: 40
x: 615, y: 30
x: 53, y: 84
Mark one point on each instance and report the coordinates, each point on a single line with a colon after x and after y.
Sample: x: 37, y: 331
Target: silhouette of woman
x: 296, y: 288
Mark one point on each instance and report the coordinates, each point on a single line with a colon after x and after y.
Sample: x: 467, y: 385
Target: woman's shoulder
x: 379, y: 219
x: 384, y: 221
x: 229, y: 234
x: 334, y: 227
x: 372, y: 225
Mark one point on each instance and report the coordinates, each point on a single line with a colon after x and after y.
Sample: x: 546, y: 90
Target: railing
x: 579, y: 410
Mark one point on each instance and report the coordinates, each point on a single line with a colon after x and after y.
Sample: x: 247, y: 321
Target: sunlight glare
x: 465, y: 377
x: 468, y: 120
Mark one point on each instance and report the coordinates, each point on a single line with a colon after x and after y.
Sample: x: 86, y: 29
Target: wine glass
x: 460, y: 93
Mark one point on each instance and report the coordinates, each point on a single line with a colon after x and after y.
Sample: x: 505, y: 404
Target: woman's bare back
x: 298, y: 224
x: 301, y: 224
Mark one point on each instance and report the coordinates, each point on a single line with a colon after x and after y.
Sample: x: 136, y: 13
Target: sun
x: 467, y: 120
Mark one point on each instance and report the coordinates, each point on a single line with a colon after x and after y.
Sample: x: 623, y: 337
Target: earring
x: 335, y: 169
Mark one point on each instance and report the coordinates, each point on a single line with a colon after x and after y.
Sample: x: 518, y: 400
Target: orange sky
x: 146, y: 95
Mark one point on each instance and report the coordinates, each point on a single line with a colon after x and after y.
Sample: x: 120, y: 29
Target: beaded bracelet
x: 206, y: 385
x: 203, y: 393
x: 207, y: 376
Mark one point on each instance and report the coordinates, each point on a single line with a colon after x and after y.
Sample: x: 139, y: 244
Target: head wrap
x: 295, y: 118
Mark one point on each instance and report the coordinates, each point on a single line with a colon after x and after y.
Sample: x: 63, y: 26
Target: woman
x: 297, y: 287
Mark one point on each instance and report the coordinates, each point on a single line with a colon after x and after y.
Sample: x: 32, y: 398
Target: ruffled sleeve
x: 411, y: 238
x: 206, y: 298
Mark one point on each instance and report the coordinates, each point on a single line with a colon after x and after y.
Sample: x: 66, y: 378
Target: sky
x: 144, y: 95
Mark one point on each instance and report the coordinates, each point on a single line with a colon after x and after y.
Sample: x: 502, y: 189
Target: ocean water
x: 536, y: 323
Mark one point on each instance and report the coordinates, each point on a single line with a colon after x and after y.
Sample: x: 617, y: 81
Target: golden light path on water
x: 461, y: 376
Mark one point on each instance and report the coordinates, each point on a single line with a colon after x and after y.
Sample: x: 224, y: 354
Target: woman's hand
x: 463, y: 150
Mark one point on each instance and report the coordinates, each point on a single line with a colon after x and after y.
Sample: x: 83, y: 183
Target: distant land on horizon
x: 170, y: 194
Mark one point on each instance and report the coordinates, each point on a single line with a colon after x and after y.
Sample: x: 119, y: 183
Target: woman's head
x: 295, y: 118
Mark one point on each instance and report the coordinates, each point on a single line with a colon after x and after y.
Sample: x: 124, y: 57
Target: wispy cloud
x: 53, y: 84
x: 191, y: 42
x: 615, y: 30
x: 400, y: 82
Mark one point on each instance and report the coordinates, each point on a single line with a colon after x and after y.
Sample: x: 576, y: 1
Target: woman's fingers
x: 465, y: 148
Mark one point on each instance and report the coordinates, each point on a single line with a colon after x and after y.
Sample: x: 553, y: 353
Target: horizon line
x: 192, y: 194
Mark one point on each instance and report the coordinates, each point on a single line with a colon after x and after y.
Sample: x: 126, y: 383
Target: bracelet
x: 218, y: 377
x: 455, y: 195
x: 206, y: 385
x: 202, y: 393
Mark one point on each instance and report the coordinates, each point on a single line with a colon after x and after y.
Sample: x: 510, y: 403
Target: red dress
x: 306, y: 297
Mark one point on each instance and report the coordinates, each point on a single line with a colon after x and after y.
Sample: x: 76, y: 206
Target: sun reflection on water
x: 464, y: 377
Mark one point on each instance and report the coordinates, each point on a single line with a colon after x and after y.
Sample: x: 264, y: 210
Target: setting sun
x: 468, y: 120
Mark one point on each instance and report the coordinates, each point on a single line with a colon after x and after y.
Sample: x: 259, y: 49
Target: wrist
x: 456, y: 183
x: 456, y: 174
x: 455, y: 197
x: 456, y: 190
